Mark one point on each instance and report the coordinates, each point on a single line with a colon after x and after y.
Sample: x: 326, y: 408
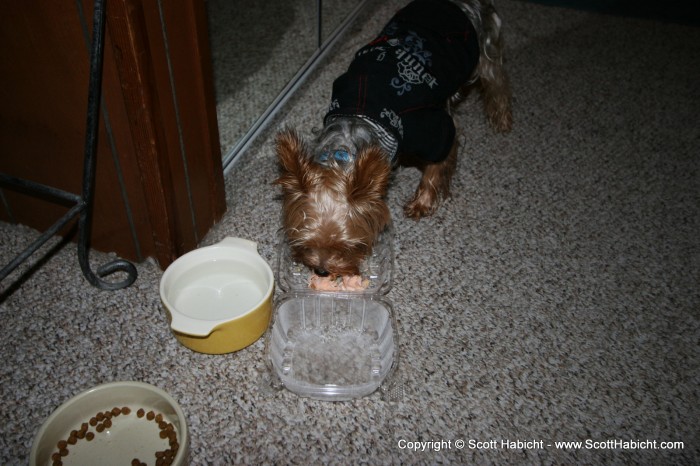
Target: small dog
x: 395, y: 98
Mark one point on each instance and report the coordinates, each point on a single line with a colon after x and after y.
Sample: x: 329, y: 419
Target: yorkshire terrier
x: 395, y: 100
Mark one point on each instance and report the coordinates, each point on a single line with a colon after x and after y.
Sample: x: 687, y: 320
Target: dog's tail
x: 490, y: 72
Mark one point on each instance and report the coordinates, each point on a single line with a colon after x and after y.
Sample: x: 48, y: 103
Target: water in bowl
x: 218, y: 290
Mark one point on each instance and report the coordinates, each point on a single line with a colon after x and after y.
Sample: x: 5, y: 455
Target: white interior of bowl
x: 129, y: 437
x: 215, y: 284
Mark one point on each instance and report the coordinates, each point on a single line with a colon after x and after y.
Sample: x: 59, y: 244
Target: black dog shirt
x: 400, y: 82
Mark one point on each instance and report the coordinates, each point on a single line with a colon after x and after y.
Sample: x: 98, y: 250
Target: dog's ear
x: 367, y: 186
x: 294, y: 162
x: 370, y: 177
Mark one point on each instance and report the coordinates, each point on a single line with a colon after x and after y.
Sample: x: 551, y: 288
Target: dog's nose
x: 321, y: 272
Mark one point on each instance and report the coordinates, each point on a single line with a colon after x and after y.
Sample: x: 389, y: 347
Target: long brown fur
x: 333, y: 213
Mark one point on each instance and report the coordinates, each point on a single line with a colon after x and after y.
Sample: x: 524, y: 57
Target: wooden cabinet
x: 159, y: 183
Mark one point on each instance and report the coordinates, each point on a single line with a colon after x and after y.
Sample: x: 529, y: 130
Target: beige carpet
x: 553, y: 298
x: 257, y: 47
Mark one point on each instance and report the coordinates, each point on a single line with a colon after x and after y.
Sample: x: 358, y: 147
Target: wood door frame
x: 164, y: 63
x: 159, y: 185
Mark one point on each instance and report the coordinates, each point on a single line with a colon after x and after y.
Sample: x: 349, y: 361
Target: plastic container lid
x: 329, y: 345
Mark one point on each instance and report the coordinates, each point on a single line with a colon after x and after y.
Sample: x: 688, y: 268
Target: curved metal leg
x: 92, y: 130
x: 82, y: 204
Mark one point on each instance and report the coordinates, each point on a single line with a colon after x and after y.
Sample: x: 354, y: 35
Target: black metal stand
x: 82, y: 205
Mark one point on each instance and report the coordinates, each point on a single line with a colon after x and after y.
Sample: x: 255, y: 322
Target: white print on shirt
x: 394, y: 119
x: 412, y: 60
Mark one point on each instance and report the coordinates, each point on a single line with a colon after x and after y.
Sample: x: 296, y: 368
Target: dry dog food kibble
x: 103, y: 420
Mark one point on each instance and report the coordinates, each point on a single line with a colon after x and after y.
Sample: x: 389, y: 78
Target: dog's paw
x: 422, y: 205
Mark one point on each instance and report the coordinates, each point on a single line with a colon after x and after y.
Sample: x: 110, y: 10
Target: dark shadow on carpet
x: 673, y: 11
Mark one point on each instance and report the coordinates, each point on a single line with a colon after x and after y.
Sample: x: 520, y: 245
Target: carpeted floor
x: 257, y: 47
x: 553, y: 298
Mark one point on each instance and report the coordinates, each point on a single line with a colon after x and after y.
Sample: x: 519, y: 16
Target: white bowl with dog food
x: 114, y: 424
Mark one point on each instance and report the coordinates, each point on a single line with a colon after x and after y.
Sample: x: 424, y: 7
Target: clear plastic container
x: 334, y: 346
x: 378, y: 268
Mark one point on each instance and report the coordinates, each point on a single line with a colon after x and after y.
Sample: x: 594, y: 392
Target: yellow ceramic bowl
x: 219, y: 297
x: 127, y: 437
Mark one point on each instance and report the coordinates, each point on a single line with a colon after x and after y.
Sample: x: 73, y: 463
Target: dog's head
x: 332, y: 213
